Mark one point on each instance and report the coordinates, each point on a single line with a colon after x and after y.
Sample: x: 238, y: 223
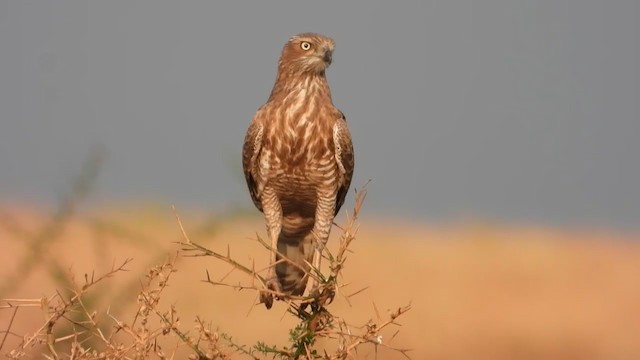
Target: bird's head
x: 307, y: 53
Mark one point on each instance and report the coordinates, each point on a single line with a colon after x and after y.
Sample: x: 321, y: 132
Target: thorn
x: 376, y: 310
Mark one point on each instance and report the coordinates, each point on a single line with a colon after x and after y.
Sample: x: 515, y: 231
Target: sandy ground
x: 478, y: 291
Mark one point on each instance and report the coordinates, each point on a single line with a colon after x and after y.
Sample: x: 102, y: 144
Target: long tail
x: 296, y: 243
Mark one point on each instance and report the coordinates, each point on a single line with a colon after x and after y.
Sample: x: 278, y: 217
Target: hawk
x: 298, y: 162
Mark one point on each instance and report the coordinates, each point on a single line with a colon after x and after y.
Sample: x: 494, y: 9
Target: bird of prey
x: 298, y: 162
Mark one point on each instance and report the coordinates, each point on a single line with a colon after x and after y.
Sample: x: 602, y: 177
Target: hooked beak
x: 327, y: 56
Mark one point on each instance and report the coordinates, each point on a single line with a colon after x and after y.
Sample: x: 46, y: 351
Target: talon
x: 266, y: 297
x: 315, y: 292
x: 322, y: 295
x: 330, y: 296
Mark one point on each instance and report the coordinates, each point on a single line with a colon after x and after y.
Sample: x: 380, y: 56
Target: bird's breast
x: 300, y: 136
x: 298, y: 152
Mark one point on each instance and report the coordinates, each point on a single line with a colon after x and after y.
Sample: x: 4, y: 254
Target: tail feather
x: 296, y: 244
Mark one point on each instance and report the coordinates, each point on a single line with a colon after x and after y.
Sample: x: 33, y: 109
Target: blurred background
x: 500, y: 138
x: 523, y: 111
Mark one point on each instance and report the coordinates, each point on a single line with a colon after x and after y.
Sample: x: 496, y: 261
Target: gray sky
x: 525, y: 111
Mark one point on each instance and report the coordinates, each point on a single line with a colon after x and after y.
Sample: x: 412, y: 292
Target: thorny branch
x: 139, y: 339
x: 317, y: 322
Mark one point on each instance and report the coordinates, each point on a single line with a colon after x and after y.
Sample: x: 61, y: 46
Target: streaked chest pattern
x: 298, y: 139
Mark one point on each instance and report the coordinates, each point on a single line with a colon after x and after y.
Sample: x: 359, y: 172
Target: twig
x: 6, y: 333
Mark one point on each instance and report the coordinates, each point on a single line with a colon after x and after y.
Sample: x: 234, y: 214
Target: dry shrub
x: 72, y: 331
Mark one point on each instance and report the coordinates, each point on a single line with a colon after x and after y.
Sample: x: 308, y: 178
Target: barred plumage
x: 298, y: 161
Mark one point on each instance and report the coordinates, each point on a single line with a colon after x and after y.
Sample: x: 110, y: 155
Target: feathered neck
x: 289, y: 81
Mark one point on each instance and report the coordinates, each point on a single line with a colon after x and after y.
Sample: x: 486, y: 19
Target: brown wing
x: 250, y: 157
x: 344, y: 155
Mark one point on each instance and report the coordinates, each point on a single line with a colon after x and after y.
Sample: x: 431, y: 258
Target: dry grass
x: 73, y: 328
x: 477, y: 291
x: 491, y: 292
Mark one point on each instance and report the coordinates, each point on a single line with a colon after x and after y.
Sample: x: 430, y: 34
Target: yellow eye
x: 305, y: 45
